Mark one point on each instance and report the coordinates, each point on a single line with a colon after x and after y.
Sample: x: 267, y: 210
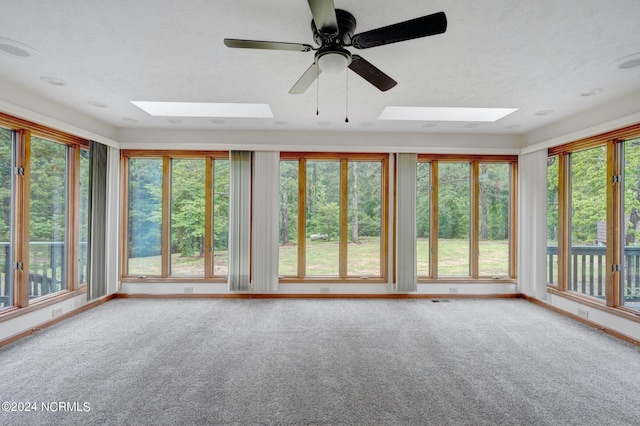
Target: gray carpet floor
x: 321, y: 361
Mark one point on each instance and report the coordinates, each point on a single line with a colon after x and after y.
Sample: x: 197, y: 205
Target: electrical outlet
x: 324, y: 290
x: 55, y: 312
x: 453, y: 290
x: 188, y: 290
x: 583, y: 313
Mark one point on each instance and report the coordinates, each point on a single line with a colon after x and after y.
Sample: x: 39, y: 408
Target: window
x: 333, y: 213
x: 630, y: 282
x: 177, y: 214
x: 472, y: 200
x: 47, y: 217
x: 6, y: 191
x: 144, y: 214
x: 288, y: 252
x: 454, y: 219
x: 220, y: 217
x: 423, y: 214
x: 592, y: 216
x: 84, y: 217
x: 552, y: 219
x: 187, y: 217
x: 588, y: 195
x: 495, y: 208
x: 43, y: 213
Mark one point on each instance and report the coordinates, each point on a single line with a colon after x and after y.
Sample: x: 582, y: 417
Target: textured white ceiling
x: 532, y: 55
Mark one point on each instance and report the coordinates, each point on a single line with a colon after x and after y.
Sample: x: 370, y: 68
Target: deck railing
x: 47, y: 267
x: 589, y: 269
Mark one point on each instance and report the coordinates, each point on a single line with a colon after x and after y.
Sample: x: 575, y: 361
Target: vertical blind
x: 406, y: 234
x: 266, y: 183
x: 96, y: 267
x: 239, y: 220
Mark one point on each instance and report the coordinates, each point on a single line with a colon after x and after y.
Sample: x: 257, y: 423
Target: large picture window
x: 465, y: 217
x: 593, y: 193
x: 43, y: 214
x: 177, y: 215
x: 333, y: 211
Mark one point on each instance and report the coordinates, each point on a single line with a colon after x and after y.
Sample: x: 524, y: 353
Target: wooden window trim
x: 166, y: 156
x: 38, y: 130
x: 474, y: 162
x: 344, y: 159
x: 615, y: 227
x: 23, y: 131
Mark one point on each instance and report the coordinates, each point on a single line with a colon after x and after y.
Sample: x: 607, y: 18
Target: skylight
x: 204, y: 109
x: 444, y: 113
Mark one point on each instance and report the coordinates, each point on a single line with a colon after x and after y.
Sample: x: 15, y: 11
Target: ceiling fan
x: 333, y: 31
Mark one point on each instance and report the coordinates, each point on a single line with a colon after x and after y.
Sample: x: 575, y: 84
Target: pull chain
x: 317, y: 90
x: 346, y: 97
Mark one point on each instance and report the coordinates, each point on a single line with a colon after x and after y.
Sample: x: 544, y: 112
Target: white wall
x: 319, y: 141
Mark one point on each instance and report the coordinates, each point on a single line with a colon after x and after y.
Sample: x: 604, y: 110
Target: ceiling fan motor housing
x: 346, y: 28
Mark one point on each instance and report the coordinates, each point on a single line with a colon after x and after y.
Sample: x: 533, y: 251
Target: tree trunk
x: 285, y: 224
x: 484, y: 208
x: 354, y: 203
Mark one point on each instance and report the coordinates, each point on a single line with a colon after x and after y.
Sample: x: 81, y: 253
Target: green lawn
x: 363, y: 259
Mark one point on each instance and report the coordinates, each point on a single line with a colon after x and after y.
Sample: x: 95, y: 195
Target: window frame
x: 344, y: 159
x: 474, y: 216
x: 613, y: 141
x: 166, y: 156
x: 23, y: 131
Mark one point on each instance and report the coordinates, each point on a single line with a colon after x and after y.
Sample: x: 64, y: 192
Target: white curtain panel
x: 266, y: 209
x: 239, y: 220
x: 532, y: 224
x: 406, y: 234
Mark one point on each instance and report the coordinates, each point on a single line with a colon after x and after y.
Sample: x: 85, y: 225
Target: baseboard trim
x: 582, y: 320
x: 315, y: 296
x: 55, y: 320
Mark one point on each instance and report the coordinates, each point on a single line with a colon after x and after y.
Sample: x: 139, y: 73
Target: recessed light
x: 53, y: 81
x: 97, y: 104
x: 633, y: 63
x: 324, y: 123
x: 444, y: 113
x: 512, y: 127
x: 366, y: 124
x: 217, y: 121
x: 15, y: 48
x: 280, y: 122
x: 129, y: 120
x: 544, y: 112
x: 471, y: 125
x: 592, y: 92
x: 174, y: 120
x: 429, y: 125
x: 629, y: 62
x: 204, y: 109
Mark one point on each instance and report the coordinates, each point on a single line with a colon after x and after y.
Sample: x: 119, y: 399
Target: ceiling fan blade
x: 272, y: 45
x: 306, y: 80
x: 324, y: 16
x: 370, y: 73
x: 407, y: 30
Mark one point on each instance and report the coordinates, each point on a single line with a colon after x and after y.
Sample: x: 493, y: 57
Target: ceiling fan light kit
x: 334, y: 62
x: 333, y: 30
